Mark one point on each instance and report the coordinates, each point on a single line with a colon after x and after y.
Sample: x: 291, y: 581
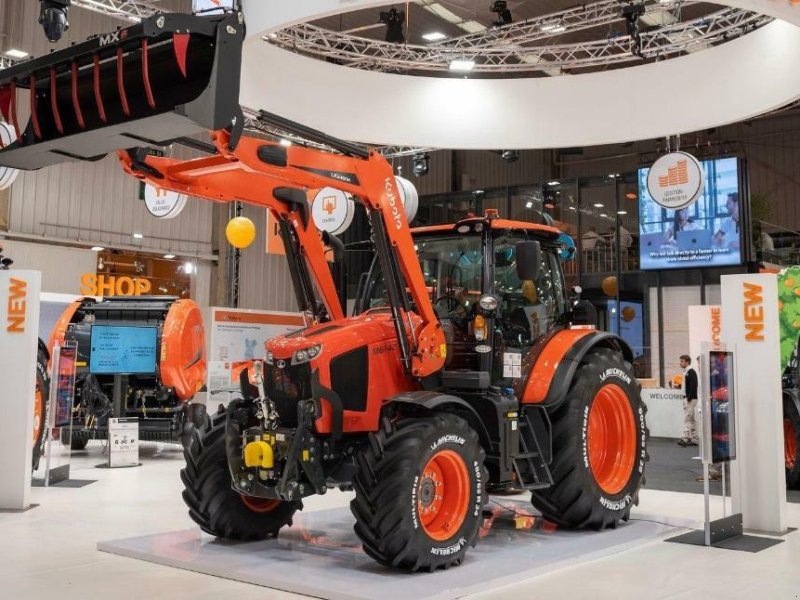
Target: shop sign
x: 676, y: 180
x: 332, y: 210
x: 163, y: 204
x: 109, y: 285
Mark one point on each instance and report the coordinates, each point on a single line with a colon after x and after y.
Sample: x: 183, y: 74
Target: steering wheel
x: 447, y: 303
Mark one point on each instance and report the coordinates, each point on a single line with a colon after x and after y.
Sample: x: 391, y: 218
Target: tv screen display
x: 705, y: 234
x: 123, y: 350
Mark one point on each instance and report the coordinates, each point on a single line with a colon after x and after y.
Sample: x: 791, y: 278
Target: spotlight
x: 53, y: 18
x: 393, y: 19
x: 631, y: 13
x: 5, y: 263
x: 503, y: 14
x: 510, y: 155
x: 420, y: 166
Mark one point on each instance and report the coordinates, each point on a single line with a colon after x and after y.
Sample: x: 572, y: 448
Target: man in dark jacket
x: 689, y: 403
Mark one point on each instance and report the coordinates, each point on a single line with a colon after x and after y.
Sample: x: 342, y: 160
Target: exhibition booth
x: 465, y: 320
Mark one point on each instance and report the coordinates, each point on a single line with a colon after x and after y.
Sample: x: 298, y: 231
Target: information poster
x: 123, y: 442
x: 239, y: 336
x: 123, y: 349
x: 65, y: 386
x: 723, y: 428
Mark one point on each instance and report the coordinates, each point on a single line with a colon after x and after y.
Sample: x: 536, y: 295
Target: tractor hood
x: 367, y: 329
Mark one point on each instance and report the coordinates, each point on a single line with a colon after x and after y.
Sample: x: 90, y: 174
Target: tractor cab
x: 497, y: 287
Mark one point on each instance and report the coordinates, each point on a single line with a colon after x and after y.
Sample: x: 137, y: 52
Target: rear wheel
x: 599, y: 446
x: 420, y: 492
x: 213, y: 504
x: 40, y: 408
x: 791, y: 442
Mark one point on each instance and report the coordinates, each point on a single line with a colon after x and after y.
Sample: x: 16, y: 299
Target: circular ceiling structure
x: 529, y: 87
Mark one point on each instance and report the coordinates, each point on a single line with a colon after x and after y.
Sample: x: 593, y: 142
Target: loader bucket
x: 172, y: 75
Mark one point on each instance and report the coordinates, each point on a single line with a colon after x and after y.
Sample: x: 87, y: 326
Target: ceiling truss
x: 519, y: 47
x: 130, y: 10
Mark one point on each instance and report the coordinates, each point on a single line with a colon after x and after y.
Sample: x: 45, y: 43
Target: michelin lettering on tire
x: 615, y: 372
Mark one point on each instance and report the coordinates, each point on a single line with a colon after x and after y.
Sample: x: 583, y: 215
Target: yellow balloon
x: 240, y: 232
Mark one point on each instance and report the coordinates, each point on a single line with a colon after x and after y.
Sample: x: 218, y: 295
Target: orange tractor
x: 465, y: 369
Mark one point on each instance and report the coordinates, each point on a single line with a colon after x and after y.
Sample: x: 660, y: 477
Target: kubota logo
x: 677, y: 175
x: 392, y: 197
x: 17, y: 305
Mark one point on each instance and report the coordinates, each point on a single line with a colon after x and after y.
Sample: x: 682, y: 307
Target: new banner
x: 750, y: 325
x: 19, y: 326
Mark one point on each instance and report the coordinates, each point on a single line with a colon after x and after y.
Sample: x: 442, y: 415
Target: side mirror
x: 529, y: 256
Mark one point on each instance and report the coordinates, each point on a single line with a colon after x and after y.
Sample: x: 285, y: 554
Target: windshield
x: 452, y: 267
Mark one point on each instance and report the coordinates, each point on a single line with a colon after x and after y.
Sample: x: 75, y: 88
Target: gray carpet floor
x: 673, y: 468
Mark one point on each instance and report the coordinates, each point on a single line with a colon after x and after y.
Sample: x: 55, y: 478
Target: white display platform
x: 664, y: 412
x: 321, y: 556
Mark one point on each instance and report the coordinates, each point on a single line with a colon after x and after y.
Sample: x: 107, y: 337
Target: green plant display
x: 789, y: 311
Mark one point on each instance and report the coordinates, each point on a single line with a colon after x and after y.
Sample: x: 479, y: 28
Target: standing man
x: 689, y: 403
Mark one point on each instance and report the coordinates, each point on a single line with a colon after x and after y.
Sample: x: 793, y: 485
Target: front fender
x: 556, y: 362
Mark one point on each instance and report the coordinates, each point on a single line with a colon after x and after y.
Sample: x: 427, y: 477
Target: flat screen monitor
x: 723, y: 406
x: 706, y: 234
x: 123, y: 350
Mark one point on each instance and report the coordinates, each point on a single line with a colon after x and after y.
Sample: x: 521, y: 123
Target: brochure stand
x: 123, y: 443
x: 718, y: 442
x: 59, y: 417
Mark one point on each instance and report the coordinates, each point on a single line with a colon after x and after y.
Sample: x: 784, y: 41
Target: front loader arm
x: 259, y: 172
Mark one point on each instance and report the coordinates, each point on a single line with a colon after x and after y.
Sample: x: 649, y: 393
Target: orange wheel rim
x: 37, y: 414
x: 789, y: 444
x: 443, y: 495
x: 611, y: 438
x: 260, y: 505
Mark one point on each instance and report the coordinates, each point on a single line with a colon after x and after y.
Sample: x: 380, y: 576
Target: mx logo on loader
x: 109, y: 38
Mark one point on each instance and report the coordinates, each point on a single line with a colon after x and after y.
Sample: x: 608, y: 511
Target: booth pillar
x: 750, y: 324
x: 19, y: 333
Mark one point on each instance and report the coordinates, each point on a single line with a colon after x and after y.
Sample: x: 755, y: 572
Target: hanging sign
x: 332, y: 210
x: 7, y: 174
x: 163, y: 204
x: 676, y: 180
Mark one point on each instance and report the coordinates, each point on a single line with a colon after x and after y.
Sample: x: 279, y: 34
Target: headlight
x: 303, y: 356
x: 488, y: 302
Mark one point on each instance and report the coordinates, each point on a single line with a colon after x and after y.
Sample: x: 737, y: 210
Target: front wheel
x: 420, y: 492
x: 599, y: 446
x: 213, y: 504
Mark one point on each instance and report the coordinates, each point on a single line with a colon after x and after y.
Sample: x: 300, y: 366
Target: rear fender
x: 554, y: 368
x: 436, y: 402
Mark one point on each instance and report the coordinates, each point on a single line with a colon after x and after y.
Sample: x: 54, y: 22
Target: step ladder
x: 530, y: 465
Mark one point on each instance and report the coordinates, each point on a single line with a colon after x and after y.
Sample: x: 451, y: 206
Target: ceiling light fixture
x: 169, y: 256
x: 14, y: 53
x: 622, y: 212
x: 553, y: 183
x: 138, y: 236
x: 188, y: 268
x: 553, y: 27
x: 529, y: 204
x: 420, y: 164
x: 500, y: 7
x: 434, y: 36
x: 462, y: 65
x: 97, y: 248
x: 599, y: 205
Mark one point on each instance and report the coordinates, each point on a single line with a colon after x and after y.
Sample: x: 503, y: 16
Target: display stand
x: 123, y: 443
x: 718, y: 445
x: 59, y: 415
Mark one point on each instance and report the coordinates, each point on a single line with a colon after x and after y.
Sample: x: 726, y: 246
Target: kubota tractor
x: 466, y: 368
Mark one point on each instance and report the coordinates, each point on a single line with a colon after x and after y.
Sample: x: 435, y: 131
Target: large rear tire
x: 599, y: 446
x: 40, y: 408
x: 213, y: 505
x: 791, y: 442
x: 420, y: 492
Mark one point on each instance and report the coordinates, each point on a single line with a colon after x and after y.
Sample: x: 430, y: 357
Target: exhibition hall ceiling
x: 519, y: 38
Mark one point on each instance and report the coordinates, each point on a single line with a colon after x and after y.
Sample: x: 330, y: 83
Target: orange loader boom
x: 278, y: 177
